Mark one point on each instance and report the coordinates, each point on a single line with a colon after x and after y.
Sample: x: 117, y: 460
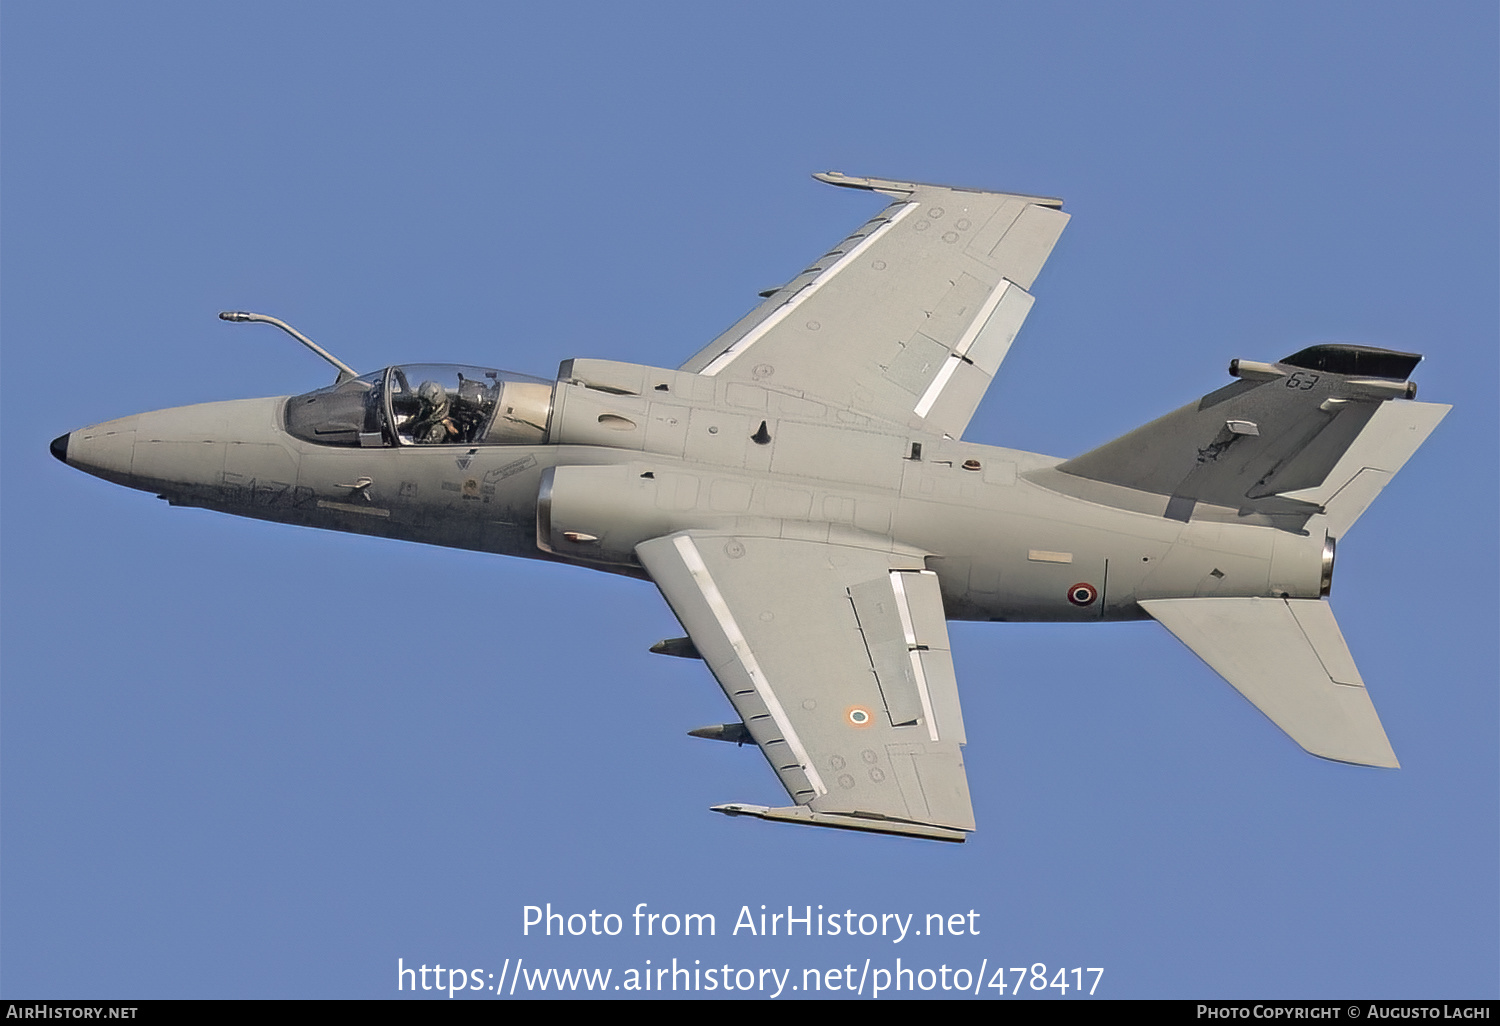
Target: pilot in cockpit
x: 433, y: 424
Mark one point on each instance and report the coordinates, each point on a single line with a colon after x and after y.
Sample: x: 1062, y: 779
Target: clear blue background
x: 240, y: 760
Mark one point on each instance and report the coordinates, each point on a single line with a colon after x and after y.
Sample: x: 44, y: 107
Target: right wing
x: 836, y: 658
x: 906, y: 320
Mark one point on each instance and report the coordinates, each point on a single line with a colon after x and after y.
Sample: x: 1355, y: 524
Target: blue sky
x: 239, y: 760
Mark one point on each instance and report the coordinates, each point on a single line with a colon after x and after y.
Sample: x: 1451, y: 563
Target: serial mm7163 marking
x: 800, y: 493
x: 240, y: 490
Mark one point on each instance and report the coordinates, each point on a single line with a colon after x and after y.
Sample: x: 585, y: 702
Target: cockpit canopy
x: 425, y: 404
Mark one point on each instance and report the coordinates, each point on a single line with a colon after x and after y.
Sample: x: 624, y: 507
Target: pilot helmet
x: 433, y: 395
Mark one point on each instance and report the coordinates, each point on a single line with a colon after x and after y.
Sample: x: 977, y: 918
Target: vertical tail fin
x: 1317, y: 432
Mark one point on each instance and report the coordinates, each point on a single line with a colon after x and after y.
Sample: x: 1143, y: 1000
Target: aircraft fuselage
x: 627, y: 460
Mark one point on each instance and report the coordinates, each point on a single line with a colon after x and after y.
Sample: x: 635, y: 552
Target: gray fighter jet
x: 801, y: 493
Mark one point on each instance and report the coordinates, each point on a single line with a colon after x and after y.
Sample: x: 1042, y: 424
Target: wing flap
x: 1289, y: 659
x: 900, y: 616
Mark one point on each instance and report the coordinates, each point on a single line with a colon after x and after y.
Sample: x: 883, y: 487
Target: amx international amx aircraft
x: 801, y: 493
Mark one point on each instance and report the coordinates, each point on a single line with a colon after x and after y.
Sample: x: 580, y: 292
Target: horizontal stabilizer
x: 807, y: 817
x: 1288, y: 657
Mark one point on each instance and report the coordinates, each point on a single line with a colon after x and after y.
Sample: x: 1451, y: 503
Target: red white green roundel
x: 1082, y: 594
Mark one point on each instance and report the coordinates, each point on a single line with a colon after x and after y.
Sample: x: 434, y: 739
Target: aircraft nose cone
x: 60, y: 447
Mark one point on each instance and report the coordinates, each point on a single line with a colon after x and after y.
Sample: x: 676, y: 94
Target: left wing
x: 906, y: 320
x: 836, y: 658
